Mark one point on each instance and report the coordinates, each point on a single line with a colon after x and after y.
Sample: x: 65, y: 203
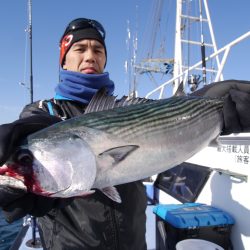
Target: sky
x: 230, y: 20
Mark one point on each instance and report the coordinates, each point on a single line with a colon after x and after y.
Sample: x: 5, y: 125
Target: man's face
x: 86, y: 56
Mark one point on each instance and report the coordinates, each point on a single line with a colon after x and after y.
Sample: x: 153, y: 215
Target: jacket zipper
x: 115, y: 227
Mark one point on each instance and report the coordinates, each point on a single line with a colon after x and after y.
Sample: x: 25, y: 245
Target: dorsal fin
x: 101, y: 101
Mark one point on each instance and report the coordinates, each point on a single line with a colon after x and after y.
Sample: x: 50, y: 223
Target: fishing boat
x: 218, y: 175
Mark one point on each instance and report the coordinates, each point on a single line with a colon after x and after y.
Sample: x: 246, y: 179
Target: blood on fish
x: 24, y: 174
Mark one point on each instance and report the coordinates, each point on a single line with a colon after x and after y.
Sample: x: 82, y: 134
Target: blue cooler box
x: 191, y: 220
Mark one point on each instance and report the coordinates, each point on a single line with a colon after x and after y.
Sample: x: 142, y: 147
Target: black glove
x: 17, y: 203
x: 12, y: 134
x: 236, y: 95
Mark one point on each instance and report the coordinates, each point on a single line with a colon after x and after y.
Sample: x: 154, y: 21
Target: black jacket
x: 93, y: 222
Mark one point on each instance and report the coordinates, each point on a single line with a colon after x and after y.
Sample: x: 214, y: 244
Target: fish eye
x: 24, y: 157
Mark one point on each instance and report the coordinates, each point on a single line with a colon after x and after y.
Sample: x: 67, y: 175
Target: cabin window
x: 183, y: 182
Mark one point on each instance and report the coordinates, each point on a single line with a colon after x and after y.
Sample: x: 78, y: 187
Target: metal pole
x: 33, y: 225
x: 212, y: 37
x: 203, y: 52
x: 178, y: 50
x: 30, y: 37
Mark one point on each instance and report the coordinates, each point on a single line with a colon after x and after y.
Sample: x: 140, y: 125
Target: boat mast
x: 182, y: 19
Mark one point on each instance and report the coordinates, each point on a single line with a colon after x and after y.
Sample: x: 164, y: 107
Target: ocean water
x: 8, y: 232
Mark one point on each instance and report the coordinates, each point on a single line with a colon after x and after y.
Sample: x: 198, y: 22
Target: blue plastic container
x: 190, y: 215
x: 176, y: 222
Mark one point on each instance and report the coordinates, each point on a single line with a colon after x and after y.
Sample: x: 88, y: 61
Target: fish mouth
x: 12, y: 171
x: 11, y: 182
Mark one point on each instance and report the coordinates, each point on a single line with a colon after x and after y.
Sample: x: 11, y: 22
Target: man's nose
x: 89, y: 55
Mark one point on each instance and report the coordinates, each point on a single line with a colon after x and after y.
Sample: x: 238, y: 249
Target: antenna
x: 131, y: 43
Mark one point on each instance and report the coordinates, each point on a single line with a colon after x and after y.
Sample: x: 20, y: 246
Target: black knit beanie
x: 73, y: 36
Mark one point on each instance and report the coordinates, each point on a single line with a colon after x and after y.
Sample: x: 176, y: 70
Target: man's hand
x: 236, y: 95
x: 12, y: 134
x: 16, y: 203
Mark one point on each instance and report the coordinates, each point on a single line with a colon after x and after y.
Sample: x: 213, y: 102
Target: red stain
x: 26, y: 175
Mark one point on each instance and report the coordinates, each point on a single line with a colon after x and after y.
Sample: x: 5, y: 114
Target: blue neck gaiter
x: 82, y: 87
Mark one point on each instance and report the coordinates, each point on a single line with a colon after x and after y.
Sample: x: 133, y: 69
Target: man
x: 93, y: 222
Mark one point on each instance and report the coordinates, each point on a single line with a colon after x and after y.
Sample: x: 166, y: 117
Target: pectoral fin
x: 118, y: 154
x: 112, y: 193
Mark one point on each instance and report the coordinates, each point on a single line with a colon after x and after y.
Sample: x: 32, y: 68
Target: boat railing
x: 184, y: 75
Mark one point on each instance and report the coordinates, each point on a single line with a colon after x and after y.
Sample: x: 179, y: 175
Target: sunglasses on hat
x: 84, y: 23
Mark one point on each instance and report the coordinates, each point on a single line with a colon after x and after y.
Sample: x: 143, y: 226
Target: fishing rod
x: 34, y: 240
x: 30, y: 39
x: 29, y: 32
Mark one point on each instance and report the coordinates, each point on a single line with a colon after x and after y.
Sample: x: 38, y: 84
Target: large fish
x: 109, y: 147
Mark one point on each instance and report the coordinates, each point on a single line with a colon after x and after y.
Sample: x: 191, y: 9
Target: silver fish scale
x: 150, y: 118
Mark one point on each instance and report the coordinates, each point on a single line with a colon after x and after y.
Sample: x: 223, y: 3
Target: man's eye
x: 99, y: 51
x: 79, y: 49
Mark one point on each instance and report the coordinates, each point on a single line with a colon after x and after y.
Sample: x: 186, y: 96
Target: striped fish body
x: 121, y: 145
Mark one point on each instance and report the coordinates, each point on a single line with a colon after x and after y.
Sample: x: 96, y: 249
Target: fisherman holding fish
x: 90, y: 222
x: 107, y: 217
